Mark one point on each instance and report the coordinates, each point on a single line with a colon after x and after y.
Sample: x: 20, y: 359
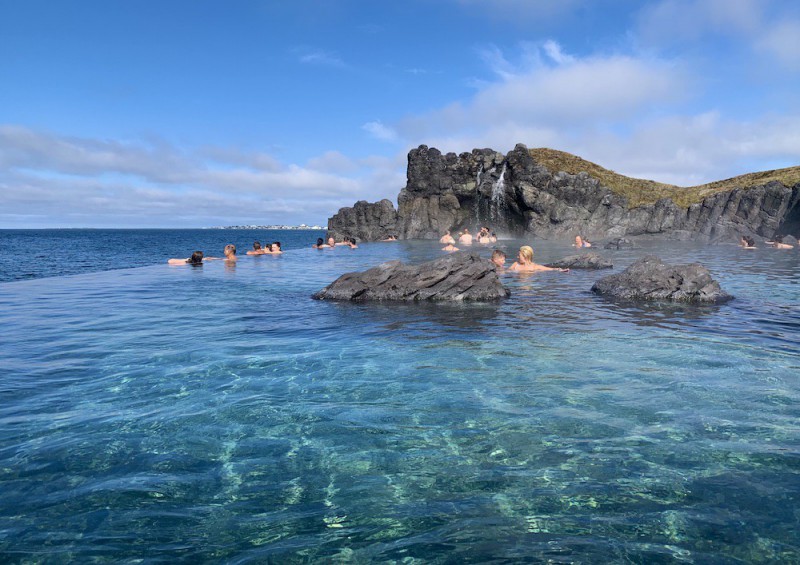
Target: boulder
x: 455, y: 277
x: 582, y: 261
x: 365, y: 221
x: 650, y: 278
x: 619, y: 243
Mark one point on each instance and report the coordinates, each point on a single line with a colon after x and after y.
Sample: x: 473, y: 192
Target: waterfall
x: 498, y: 203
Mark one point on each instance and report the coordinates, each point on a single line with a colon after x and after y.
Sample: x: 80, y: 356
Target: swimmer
x: 525, y: 264
x: 447, y: 238
x: 275, y: 248
x: 499, y: 259
x: 350, y: 242
x: 778, y: 243
x: 449, y: 247
x: 747, y: 242
x: 195, y: 260
x: 320, y: 244
x: 230, y: 253
x: 483, y: 236
x: 493, y: 238
x: 256, y: 249
x: 465, y: 237
x: 389, y: 237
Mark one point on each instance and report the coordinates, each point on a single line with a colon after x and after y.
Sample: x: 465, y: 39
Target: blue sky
x: 197, y: 113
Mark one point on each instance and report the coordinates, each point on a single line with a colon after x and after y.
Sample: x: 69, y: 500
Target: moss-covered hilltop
x: 641, y: 192
x: 553, y: 194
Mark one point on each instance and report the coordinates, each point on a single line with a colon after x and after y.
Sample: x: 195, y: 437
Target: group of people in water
x: 230, y: 257
x: 465, y: 238
x: 524, y: 262
x: 776, y: 242
x: 347, y: 241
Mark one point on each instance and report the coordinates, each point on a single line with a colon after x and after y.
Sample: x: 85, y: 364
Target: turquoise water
x: 218, y: 414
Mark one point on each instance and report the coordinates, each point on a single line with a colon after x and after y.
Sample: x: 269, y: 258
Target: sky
x: 198, y: 113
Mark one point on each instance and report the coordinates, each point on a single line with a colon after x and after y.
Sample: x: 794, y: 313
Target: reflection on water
x: 220, y: 414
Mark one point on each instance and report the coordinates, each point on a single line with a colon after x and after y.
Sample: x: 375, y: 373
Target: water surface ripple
x: 178, y: 414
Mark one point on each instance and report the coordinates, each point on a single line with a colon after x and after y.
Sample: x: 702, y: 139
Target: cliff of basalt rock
x: 552, y: 194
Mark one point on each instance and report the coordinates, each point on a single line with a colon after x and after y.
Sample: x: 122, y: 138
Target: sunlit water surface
x: 179, y: 414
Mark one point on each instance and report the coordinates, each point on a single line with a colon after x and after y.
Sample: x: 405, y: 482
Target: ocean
x: 162, y: 414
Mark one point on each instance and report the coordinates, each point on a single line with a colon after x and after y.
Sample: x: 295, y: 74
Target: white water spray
x: 498, y: 203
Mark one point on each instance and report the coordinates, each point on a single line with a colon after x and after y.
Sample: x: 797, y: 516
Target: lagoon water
x: 219, y: 414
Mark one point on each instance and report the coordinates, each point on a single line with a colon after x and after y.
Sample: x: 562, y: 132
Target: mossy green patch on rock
x: 641, y: 192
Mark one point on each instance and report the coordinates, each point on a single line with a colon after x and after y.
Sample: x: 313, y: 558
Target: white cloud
x: 66, y: 177
x: 555, y: 53
x: 675, y: 21
x: 320, y: 57
x: 563, y: 92
x: 379, y: 131
x: 782, y: 40
x: 332, y: 162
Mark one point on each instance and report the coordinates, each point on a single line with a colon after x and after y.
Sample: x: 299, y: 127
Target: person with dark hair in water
x: 350, y: 242
x: 747, y: 242
x: 447, y: 238
x: 320, y: 244
x: 195, y: 260
x: 256, y: 249
x: 230, y: 254
x: 276, y: 248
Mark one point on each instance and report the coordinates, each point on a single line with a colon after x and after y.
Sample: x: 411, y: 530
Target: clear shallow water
x: 219, y: 414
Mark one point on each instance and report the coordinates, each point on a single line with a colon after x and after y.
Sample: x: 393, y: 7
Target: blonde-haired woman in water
x: 525, y: 264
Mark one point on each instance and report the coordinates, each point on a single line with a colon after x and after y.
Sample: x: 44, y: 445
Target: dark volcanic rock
x: 517, y: 195
x: 456, y: 277
x: 582, y: 261
x: 365, y: 221
x: 650, y: 278
x: 619, y: 243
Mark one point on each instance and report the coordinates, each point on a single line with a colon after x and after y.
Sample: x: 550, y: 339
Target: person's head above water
x: 230, y: 249
x: 196, y: 258
x: 498, y: 258
x: 778, y: 239
x: 276, y: 245
x: 256, y: 245
x: 331, y: 241
x: 526, y: 253
x: 320, y: 242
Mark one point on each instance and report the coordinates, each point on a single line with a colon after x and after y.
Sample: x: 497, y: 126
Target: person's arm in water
x: 178, y: 261
x: 543, y: 268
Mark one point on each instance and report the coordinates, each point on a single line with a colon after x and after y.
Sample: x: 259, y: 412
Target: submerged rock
x: 456, y: 277
x: 582, y: 261
x: 650, y: 278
